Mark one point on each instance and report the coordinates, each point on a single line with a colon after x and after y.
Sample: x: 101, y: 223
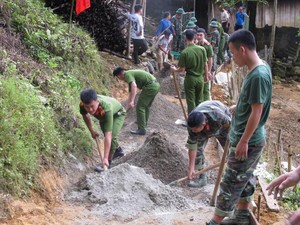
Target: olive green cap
x: 180, y: 11
x: 193, y: 19
x: 214, y: 24
x: 190, y: 25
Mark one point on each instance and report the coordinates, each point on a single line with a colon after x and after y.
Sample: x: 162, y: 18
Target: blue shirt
x: 240, y: 18
x: 163, y: 25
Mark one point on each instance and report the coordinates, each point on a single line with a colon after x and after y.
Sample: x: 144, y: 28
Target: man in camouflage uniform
x: 220, y: 58
x: 214, y: 40
x: 209, y: 119
x: 210, y: 54
x: 247, y: 133
x: 177, y: 23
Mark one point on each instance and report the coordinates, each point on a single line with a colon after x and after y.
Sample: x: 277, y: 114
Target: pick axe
x: 100, y: 152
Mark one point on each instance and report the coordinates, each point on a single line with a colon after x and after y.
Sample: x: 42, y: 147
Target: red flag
x: 82, y: 5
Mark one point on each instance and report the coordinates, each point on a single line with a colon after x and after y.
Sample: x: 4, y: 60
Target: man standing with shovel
x: 209, y: 119
x: 111, y: 116
x: 193, y: 60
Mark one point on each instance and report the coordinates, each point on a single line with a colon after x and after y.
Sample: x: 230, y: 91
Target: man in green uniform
x: 111, y: 116
x: 220, y: 58
x: 215, y: 41
x: 193, y: 60
x: 149, y: 86
x: 210, y: 54
x: 209, y: 119
x: 247, y: 133
x: 177, y: 23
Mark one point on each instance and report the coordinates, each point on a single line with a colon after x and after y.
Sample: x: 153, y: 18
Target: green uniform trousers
x: 144, y: 103
x: 206, y: 92
x: 221, y: 50
x: 117, y: 126
x: 193, y: 88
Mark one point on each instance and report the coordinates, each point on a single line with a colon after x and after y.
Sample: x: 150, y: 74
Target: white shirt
x: 224, y: 16
x: 163, y: 42
x: 137, y: 25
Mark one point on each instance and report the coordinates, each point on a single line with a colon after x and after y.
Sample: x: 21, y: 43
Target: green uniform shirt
x: 108, y: 107
x: 209, y: 49
x: 193, y: 59
x: 221, y: 30
x: 141, y: 78
x: 217, y: 117
x: 257, y: 88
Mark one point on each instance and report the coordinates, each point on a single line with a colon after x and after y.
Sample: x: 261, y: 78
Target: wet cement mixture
x: 126, y: 191
x: 161, y: 158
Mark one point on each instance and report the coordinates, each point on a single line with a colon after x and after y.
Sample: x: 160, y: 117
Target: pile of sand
x: 161, y: 158
x: 126, y: 191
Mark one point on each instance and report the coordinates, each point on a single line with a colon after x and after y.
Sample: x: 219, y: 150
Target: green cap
x: 180, y: 11
x: 214, y: 24
x: 190, y: 25
x: 193, y: 19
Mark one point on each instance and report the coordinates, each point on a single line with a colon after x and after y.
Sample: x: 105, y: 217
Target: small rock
x: 58, y: 211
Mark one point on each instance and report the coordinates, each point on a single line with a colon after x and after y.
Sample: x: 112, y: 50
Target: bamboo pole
x: 145, y: 10
x: 71, y: 16
x: 290, y: 154
x: 258, y: 207
x: 278, y: 158
x: 268, y: 143
x: 273, y: 33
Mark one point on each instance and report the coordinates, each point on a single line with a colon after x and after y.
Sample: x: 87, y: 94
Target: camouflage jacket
x: 217, y: 117
x: 177, y: 23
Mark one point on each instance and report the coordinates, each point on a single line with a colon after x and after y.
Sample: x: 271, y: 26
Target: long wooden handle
x: 221, y: 170
x: 100, y: 153
x: 178, y: 93
x: 196, y: 173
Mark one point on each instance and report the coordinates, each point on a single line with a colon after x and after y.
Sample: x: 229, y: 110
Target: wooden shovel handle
x: 100, y: 153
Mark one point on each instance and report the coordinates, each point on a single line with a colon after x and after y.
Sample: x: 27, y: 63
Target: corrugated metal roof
x: 288, y: 14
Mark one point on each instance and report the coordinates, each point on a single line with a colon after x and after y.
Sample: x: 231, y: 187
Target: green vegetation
x: 39, y: 107
x: 291, y: 199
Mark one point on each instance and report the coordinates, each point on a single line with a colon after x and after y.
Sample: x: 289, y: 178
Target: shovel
x: 177, y: 90
x: 101, y: 155
x: 220, y: 173
x: 176, y: 182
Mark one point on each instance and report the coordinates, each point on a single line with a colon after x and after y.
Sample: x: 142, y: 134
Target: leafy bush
x: 27, y: 130
x: 39, y: 121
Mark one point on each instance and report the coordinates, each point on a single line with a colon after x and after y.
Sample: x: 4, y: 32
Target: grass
x: 40, y: 111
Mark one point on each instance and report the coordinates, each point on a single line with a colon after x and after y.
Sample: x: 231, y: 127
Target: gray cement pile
x: 126, y: 191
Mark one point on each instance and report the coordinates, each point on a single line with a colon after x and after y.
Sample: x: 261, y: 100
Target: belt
x: 152, y: 82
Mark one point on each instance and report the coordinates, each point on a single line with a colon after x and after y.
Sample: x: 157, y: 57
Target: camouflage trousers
x: 238, y: 182
x: 200, y: 159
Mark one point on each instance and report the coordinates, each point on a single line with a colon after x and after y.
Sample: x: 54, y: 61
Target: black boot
x: 240, y: 217
x: 118, y: 153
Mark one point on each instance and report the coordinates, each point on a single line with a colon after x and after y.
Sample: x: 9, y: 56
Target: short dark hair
x: 166, y: 14
x: 195, y: 119
x: 214, y: 19
x: 118, y: 70
x: 137, y: 8
x: 243, y: 37
x: 167, y: 32
x: 88, y: 95
x: 190, y: 34
x: 201, y: 30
